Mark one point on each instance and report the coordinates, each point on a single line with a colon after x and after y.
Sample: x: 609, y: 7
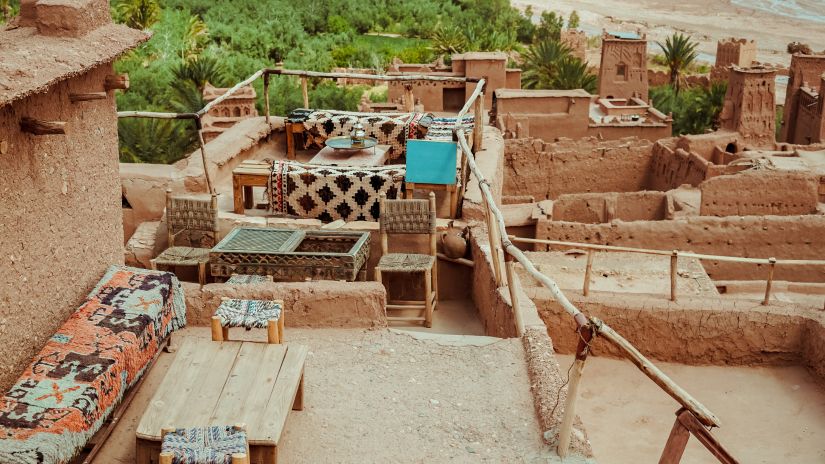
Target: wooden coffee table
x: 226, y: 383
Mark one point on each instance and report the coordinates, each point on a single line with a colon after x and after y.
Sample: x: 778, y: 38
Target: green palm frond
x: 680, y: 52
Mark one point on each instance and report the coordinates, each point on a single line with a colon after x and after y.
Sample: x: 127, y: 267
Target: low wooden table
x: 375, y: 156
x: 226, y: 383
x: 250, y: 173
x: 292, y: 254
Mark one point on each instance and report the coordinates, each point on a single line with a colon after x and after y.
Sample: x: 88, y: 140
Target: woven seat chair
x: 187, y: 214
x: 204, y: 445
x: 409, y: 217
x: 249, y: 314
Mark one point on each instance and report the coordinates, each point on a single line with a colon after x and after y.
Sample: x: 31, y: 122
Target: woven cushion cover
x: 245, y: 279
x: 183, y: 256
x: 82, y: 373
x: 204, y: 445
x: 405, y: 262
x: 328, y: 193
x: 392, y: 130
x: 250, y: 314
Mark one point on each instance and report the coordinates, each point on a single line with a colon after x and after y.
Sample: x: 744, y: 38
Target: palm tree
x: 680, y: 52
x: 572, y: 73
x: 447, y: 40
x: 138, y: 14
x: 541, y: 62
x: 206, y: 68
x: 195, y: 39
x: 159, y: 141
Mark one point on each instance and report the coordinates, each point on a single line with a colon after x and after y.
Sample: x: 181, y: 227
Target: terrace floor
x: 386, y: 396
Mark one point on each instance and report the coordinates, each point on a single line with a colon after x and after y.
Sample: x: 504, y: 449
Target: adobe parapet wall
x: 782, y: 237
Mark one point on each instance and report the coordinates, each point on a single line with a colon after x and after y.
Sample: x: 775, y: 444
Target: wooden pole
x: 89, y: 96
x: 202, y: 143
x: 582, y: 350
x: 370, y: 77
x: 493, y: 238
x: 266, y: 96
x: 40, y: 127
x: 655, y: 374
x: 587, y: 272
x: 116, y: 81
x: 674, y: 261
x: 768, y: 286
x: 230, y: 92
x: 305, y: 91
x: 692, y: 424
x: 676, y: 443
x: 478, y: 124
x: 409, y: 98
x: 512, y: 281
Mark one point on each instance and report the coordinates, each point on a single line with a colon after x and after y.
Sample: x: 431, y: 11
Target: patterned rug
x: 204, y: 445
x: 82, y: 373
x: 388, y: 129
x: 249, y: 314
x: 441, y: 129
x: 331, y: 192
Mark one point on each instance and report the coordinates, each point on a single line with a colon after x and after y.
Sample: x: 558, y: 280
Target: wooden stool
x: 204, y: 445
x: 249, y: 314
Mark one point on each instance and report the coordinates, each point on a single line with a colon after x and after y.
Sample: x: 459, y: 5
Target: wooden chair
x: 249, y: 314
x: 204, y: 445
x: 409, y: 217
x: 187, y: 214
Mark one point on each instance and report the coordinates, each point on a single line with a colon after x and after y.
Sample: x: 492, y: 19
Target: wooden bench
x: 251, y: 173
x: 219, y: 383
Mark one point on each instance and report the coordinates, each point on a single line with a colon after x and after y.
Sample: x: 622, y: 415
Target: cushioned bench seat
x: 82, y: 373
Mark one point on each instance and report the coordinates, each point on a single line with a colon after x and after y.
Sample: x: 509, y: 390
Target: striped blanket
x: 80, y: 376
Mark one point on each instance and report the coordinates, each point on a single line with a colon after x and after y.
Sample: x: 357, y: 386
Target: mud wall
x: 547, y: 170
x: 759, y: 193
x: 60, y: 214
x: 594, y: 208
x: 694, y: 330
x: 782, y: 237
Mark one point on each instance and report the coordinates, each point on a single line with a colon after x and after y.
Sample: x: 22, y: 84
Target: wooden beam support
x: 89, y: 96
x: 676, y: 443
x: 691, y: 422
x: 40, y: 127
x: 409, y: 98
x: 585, y: 333
x: 305, y: 91
x: 588, y: 270
x: 116, y: 81
x: 768, y: 286
x: 674, y: 261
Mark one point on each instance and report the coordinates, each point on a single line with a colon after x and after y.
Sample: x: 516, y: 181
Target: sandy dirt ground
x: 376, y: 396
x: 706, y: 20
x: 768, y: 414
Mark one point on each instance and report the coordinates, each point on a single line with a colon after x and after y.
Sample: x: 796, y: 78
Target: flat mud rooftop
x: 384, y: 396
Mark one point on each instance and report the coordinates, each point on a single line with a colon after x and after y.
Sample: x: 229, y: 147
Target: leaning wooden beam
x: 513, y: 286
x: 230, y: 92
x: 373, y: 77
x: 266, y: 96
x: 40, y: 127
x: 691, y: 422
x: 655, y: 374
x: 676, y: 443
x: 89, y: 96
x: 674, y: 262
x: 305, y: 91
x: 471, y: 101
x: 116, y: 81
x: 680, y: 395
x: 768, y: 286
x: 202, y: 145
x: 478, y: 122
x: 155, y: 115
x: 582, y: 350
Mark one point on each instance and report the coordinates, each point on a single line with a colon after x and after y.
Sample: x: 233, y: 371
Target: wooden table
x: 375, y: 156
x: 226, y: 383
x: 292, y: 254
x: 250, y: 173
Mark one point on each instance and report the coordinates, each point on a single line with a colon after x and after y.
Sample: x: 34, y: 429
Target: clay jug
x: 453, y: 242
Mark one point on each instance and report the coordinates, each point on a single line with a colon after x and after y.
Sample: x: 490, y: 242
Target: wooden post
x: 272, y: 332
x: 40, y: 127
x: 587, y: 272
x: 478, y: 125
x: 492, y: 235
x: 266, y: 96
x: 512, y: 278
x: 772, y: 263
x: 217, y: 329
x: 116, y: 81
x: 409, y: 98
x: 89, y: 96
x: 674, y: 260
x: 202, y: 143
x: 676, y: 443
x: 582, y: 350
x: 305, y: 91
x: 694, y: 426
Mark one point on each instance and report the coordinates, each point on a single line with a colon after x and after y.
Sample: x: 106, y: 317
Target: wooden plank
x: 283, y: 394
x: 676, y: 443
x: 249, y: 388
x: 198, y: 406
x: 148, y: 427
x: 695, y: 427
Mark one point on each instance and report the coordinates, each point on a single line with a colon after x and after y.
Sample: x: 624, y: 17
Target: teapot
x: 454, y: 242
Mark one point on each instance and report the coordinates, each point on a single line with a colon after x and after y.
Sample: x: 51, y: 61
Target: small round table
x: 344, y: 142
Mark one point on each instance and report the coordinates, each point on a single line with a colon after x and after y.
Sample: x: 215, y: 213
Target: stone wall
x: 60, y: 214
x: 757, y: 193
x: 782, y: 237
x: 671, y: 167
x: 547, y: 170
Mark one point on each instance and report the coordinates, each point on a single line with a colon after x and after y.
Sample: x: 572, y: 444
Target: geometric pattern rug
x: 82, y: 373
x: 204, y: 445
x: 329, y: 193
x: 249, y: 314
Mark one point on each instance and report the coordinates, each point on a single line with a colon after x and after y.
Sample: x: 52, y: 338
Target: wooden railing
x: 674, y: 257
x: 504, y: 255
